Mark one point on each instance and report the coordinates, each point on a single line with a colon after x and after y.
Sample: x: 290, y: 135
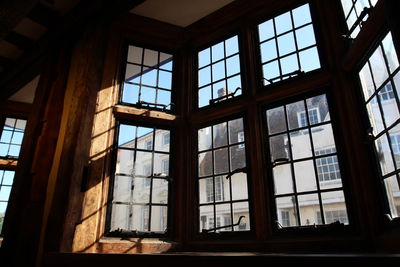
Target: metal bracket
x: 359, y: 21
x: 290, y: 74
x: 244, y: 169
x: 222, y: 227
x: 163, y: 107
x: 219, y: 99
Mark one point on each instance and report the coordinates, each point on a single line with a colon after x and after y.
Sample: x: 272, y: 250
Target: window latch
x: 222, y: 227
x: 163, y: 107
x: 224, y: 97
x: 359, y: 21
x: 290, y: 75
x: 279, y: 161
x: 238, y: 170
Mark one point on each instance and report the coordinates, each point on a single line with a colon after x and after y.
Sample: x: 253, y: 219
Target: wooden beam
x: 44, y: 15
x: 20, y: 41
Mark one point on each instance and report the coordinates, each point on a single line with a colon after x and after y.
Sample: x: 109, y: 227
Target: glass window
x: 6, y: 182
x: 140, y: 186
x: 11, y: 137
x: 304, y: 161
x: 222, y: 178
x: 353, y: 11
x: 219, y: 75
x: 380, y: 83
x: 287, y: 45
x: 148, y: 78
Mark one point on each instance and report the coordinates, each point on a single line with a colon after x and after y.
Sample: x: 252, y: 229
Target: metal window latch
x: 227, y: 96
x: 163, y: 107
x: 244, y: 169
x: 290, y: 74
x: 359, y: 21
x: 162, y: 175
x: 279, y: 161
x: 222, y: 227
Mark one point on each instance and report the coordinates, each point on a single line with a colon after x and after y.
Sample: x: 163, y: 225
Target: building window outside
x: 300, y: 190
x: 380, y: 81
x: 140, y: 182
x: 287, y: 45
x: 166, y: 138
x: 352, y: 11
x: 313, y: 116
x: 222, y: 176
x: 148, y: 78
x: 327, y: 167
x: 219, y: 75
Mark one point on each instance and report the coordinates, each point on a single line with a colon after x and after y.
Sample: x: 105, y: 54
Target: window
x: 222, y: 176
x: 287, y: 45
x: 380, y: 80
x: 11, y: 137
x: 301, y: 163
x: 356, y: 12
x: 148, y: 78
x: 10, y: 145
x: 140, y: 186
x: 219, y: 75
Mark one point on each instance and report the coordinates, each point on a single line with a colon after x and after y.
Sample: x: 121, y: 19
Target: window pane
x: 334, y: 207
x: 301, y: 15
x: 283, y: 179
x: 392, y: 191
x: 276, y: 120
x: 305, y: 176
x: 309, y: 208
x: 286, y: 208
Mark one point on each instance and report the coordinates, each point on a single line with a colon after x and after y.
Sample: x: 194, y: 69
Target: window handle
x: 290, y: 74
x: 155, y: 105
x: 216, y: 100
x: 222, y: 227
x: 359, y: 20
x: 279, y: 161
x: 238, y: 170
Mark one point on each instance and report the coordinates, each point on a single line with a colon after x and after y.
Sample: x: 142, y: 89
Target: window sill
x: 134, y: 245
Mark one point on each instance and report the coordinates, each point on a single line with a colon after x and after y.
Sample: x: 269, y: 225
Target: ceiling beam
x: 20, y: 41
x: 68, y: 28
x: 44, y: 15
x: 12, y: 12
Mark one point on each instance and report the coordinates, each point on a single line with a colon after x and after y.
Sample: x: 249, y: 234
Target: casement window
x: 222, y: 177
x: 139, y: 187
x: 380, y: 82
x: 301, y: 163
x: 356, y: 12
x: 219, y: 72
x: 148, y: 78
x: 12, y: 134
x: 287, y: 45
